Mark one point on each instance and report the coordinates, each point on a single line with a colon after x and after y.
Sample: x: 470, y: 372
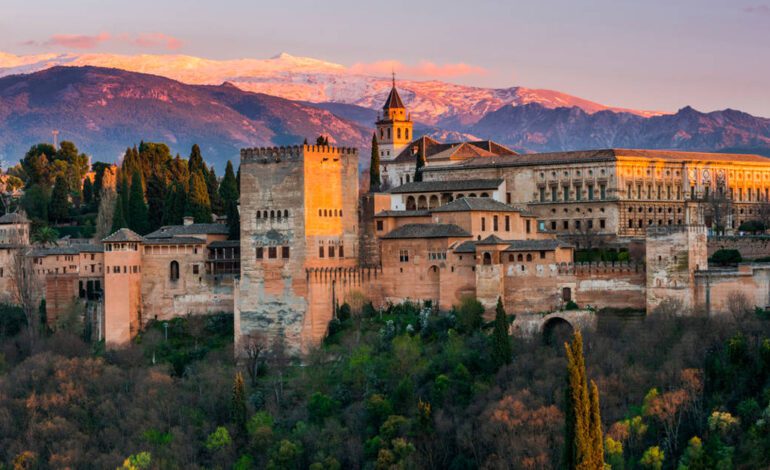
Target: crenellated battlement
x: 292, y: 152
x: 663, y: 230
x: 601, y: 267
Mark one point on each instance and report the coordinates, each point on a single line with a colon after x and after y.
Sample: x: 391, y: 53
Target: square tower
x: 394, y: 129
x: 299, y: 210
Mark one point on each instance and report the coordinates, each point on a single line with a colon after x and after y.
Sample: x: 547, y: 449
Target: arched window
x: 510, y: 258
x: 410, y: 203
x: 173, y: 271
x: 529, y: 257
x: 286, y: 213
x: 259, y: 214
x: 278, y: 214
x: 519, y: 257
x: 272, y: 214
x: 406, y: 131
x: 487, y: 258
x: 388, y: 133
x: 264, y: 215
x: 398, y: 132
x: 320, y: 212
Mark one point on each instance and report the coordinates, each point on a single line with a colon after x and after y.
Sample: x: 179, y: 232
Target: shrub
x: 469, y: 315
x: 726, y: 257
x: 571, y: 305
x: 752, y: 226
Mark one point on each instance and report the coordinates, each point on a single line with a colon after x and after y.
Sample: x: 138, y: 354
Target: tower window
x: 284, y: 252
x: 320, y: 252
x: 272, y: 252
x: 398, y: 133
x: 173, y: 270
x: 331, y: 252
x: 406, y: 131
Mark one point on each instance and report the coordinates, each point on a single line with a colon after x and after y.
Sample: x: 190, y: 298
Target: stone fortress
x: 480, y: 221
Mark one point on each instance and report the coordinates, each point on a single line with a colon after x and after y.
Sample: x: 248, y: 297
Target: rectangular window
x: 507, y: 198
x: 542, y: 254
x: 331, y: 252
x: 272, y: 252
x: 577, y: 225
x: 542, y: 194
x: 590, y: 223
x: 379, y: 225
x: 565, y: 225
x: 483, y: 224
x: 566, y: 193
x: 260, y: 252
x: 578, y: 193
x: 284, y: 252
x: 320, y: 252
x: 590, y: 192
x: 554, y: 194
x: 507, y: 223
x: 553, y: 225
x: 602, y: 223
x: 403, y: 256
x: 342, y: 251
x: 196, y: 270
x: 494, y: 223
x: 529, y: 225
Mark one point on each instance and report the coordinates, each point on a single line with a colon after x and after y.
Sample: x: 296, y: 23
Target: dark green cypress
x: 228, y: 190
x: 238, y: 410
x: 233, y: 221
x: 195, y: 163
x: 156, y: 199
x: 217, y: 206
x: 58, y: 208
x: 137, y: 207
x: 174, y: 205
x: 118, y: 219
x: 418, y: 169
x: 374, y: 166
x: 88, y: 191
x: 502, y: 342
x: 198, y: 204
x: 124, y: 190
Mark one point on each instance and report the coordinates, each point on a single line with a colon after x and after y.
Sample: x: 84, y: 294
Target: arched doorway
x: 556, y: 332
x: 433, y: 203
x: 410, y: 204
x: 422, y: 203
x: 434, y: 281
x: 487, y: 258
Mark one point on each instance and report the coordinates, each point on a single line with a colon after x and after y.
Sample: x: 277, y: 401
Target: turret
x: 394, y: 127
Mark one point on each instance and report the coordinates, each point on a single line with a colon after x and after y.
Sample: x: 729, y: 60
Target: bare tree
x: 106, y: 211
x: 25, y: 285
x: 254, y: 347
x: 763, y: 213
x: 738, y: 306
x: 718, y: 209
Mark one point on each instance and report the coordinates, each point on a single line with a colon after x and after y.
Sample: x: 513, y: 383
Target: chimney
x: 187, y: 220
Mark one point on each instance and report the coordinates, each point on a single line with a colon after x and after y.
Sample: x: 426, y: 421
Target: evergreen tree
x: 174, y: 205
x: 137, y: 208
x: 212, y: 185
x: 420, y: 164
x: 322, y: 140
x: 118, y: 219
x: 502, y: 342
x: 238, y: 410
x: 198, y: 204
x: 228, y: 190
x: 88, y: 192
x: 233, y: 221
x: 238, y: 179
x: 156, y: 199
x: 584, y: 446
x: 374, y: 166
x: 195, y: 163
x: 124, y: 191
x: 58, y: 208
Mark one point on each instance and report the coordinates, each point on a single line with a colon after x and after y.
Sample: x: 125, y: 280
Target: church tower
x: 394, y: 128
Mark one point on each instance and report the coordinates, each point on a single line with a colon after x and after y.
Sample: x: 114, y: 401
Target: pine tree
x: 137, y: 208
x: 584, y: 447
x: 198, y: 204
x: 58, y: 208
x: 195, y: 163
x: 212, y: 185
x: 118, y: 219
x: 502, y: 342
x: 420, y: 164
x: 228, y: 190
x: 238, y: 410
x: 88, y: 191
x: 374, y: 166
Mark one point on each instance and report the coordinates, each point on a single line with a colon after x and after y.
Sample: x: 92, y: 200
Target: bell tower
x: 394, y: 127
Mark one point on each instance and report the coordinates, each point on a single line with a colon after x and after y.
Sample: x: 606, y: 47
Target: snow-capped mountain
x: 433, y: 103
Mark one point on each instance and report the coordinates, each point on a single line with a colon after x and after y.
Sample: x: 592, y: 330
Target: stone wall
x: 715, y: 289
x: 750, y: 247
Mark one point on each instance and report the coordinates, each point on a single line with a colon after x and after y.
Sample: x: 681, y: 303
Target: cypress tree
x: 137, y: 208
x: 118, y: 219
x: 238, y: 408
x: 584, y: 447
x: 228, y: 190
x: 502, y: 342
x: 374, y: 166
x: 88, y: 191
x: 156, y: 198
x: 198, y: 204
x: 418, y: 169
x: 58, y: 208
x: 124, y: 190
x: 195, y: 163
x: 217, y: 207
x: 174, y: 205
x: 233, y: 221
x: 238, y: 179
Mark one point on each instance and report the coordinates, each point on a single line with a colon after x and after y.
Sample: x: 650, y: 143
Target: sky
x: 651, y: 54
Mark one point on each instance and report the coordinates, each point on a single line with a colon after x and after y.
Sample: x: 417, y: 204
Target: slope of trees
x: 397, y: 388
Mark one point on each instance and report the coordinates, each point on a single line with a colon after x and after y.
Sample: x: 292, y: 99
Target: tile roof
x: 66, y: 250
x: 600, y: 155
x: 225, y: 244
x: 452, y: 185
x: 492, y: 240
x: 526, y: 245
x: 466, y: 247
x: 174, y: 241
x: 433, y: 150
x: 124, y: 235
x: 14, y: 218
x: 193, y: 229
x: 427, y: 231
x: 466, y: 204
x: 394, y: 100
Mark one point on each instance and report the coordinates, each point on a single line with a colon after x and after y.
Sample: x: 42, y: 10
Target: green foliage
x: 35, y: 203
x: 571, y: 305
x: 88, y: 192
x: 287, y: 455
x: 174, y: 205
x: 198, y: 204
x: 753, y: 226
x: 212, y: 185
x: 320, y: 407
x: 228, y: 190
x: 140, y: 461
x: 653, y: 458
x: 725, y: 257
x: 12, y: 320
x: 118, y: 218
x: 137, y: 209
x: 233, y: 221
x: 157, y: 438
x: 584, y: 443
x: 260, y: 430
x: 45, y: 235
x: 238, y: 410
x: 218, y: 439
x: 469, y: 315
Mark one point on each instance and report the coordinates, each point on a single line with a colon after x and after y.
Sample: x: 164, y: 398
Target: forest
x: 397, y: 388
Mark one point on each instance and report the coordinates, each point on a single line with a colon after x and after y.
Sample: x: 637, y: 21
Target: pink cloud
x: 77, y: 41
x: 758, y: 9
x: 155, y: 40
x: 424, y: 69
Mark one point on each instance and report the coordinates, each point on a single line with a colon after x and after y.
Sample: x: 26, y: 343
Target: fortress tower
x: 394, y: 129
x: 299, y: 211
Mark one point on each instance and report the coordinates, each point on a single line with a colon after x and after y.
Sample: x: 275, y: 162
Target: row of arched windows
x: 329, y: 212
x: 273, y: 214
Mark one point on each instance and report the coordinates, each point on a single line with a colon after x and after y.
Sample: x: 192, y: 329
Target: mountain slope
x: 434, y: 103
x: 104, y: 110
x: 534, y: 128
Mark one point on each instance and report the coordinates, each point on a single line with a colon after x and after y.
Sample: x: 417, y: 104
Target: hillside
x: 105, y: 110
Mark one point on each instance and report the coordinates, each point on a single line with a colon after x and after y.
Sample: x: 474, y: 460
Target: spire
x: 394, y: 100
